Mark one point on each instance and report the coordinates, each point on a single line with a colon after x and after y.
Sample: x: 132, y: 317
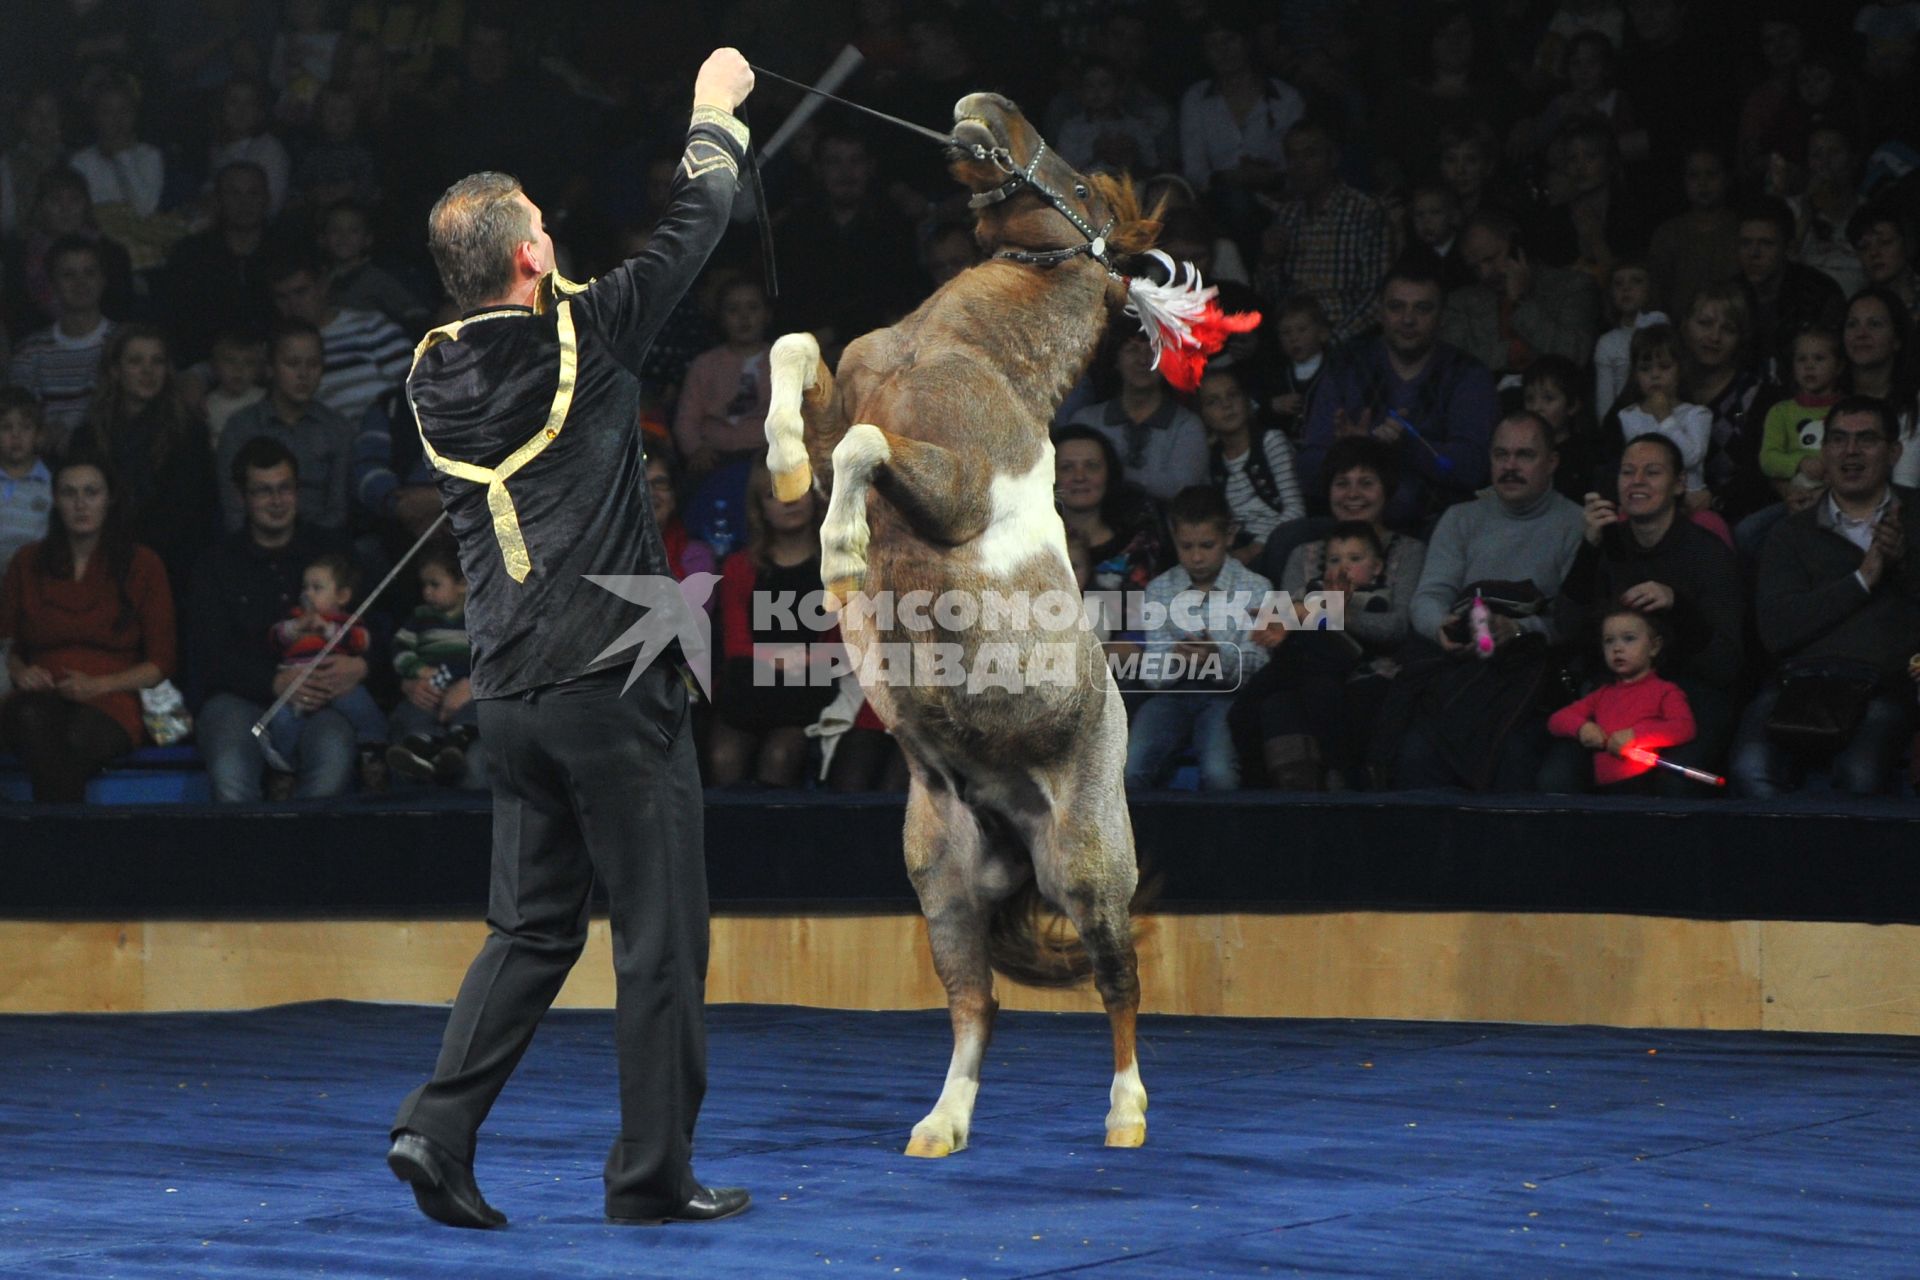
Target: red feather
x: 1183, y: 360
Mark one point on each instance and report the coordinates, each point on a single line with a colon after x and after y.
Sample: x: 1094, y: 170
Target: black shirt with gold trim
x: 531, y: 415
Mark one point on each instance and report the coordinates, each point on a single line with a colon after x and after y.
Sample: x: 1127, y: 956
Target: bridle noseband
x: 1002, y: 159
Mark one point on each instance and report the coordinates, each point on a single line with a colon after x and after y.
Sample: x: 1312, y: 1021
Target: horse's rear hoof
x: 1127, y: 1135
x: 791, y: 486
x: 928, y: 1149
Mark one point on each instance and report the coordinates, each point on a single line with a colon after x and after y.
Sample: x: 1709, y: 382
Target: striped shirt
x: 61, y: 371
x: 1254, y: 515
x: 24, y: 505
x: 366, y: 353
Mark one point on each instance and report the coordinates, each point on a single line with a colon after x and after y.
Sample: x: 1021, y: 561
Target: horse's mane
x: 1133, y: 231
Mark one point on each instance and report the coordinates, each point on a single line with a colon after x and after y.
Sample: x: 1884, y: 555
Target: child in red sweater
x: 1638, y: 707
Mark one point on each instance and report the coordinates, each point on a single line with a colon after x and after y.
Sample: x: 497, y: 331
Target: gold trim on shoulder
x: 553, y: 291
x: 729, y: 124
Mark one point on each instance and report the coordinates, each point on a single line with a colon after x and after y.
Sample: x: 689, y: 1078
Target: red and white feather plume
x: 1183, y: 323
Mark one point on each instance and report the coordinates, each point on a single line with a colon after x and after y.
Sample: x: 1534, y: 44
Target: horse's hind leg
x: 944, y: 845
x: 1084, y: 860
x: 802, y: 389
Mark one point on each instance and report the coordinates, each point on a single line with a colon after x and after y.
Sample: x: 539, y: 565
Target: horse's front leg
x: 800, y: 404
x: 943, y: 844
x: 944, y: 494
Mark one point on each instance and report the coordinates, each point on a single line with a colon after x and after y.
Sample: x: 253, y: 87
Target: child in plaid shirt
x: 434, y: 658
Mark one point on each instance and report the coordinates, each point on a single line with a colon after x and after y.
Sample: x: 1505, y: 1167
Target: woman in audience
x: 1879, y: 344
x: 140, y: 424
x: 1126, y: 543
x: 766, y: 694
x: 1715, y: 335
x: 1299, y: 715
x: 91, y: 621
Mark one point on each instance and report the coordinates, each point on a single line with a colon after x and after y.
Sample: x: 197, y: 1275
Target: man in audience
x: 365, y: 352
x: 1838, y: 605
x: 846, y: 259
x: 212, y: 281
x: 1642, y: 552
x: 1405, y: 376
x: 1519, y: 309
x: 321, y: 439
x: 1327, y: 239
x: 1883, y: 241
x: 242, y: 586
x: 1470, y: 718
x: 61, y: 363
x: 1785, y: 297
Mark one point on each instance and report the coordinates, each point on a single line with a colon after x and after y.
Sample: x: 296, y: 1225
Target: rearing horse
x: 932, y: 441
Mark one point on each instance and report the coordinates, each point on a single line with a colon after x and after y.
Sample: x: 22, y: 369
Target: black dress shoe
x: 710, y: 1204
x: 443, y: 1185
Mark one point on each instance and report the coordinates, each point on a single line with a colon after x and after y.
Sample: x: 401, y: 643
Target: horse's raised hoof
x: 839, y: 592
x: 1128, y: 1135
x: 791, y: 486
x: 928, y: 1148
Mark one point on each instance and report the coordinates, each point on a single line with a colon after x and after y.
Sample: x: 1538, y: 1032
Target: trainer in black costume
x: 529, y: 408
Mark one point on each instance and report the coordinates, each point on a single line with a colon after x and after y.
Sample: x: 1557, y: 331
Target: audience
x: 1750, y: 233
x: 436, y: 725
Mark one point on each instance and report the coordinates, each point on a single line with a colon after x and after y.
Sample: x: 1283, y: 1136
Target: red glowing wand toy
x: 1641, y: 755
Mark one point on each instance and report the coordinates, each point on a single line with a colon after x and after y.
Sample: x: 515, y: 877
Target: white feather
x: 1167, y: 311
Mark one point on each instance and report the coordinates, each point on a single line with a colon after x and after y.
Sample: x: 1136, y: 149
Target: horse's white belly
x: 1023, y: 523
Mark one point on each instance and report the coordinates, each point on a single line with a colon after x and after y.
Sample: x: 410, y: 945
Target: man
x: 1519, y: 309
x: 1686, y: 579
x: 242, y: 585
x: 1327, y: 239
x: 212, y: 280
x: 589, y: 780
x: 61, y: 363
x: 846, y: 256
x: 1161, y: 443
x: 1839, y: 599
x: 1406, y: 371
x: 1784, y: 297
x: 1883, y: 241
x: 1433, y: 224
x: 321, y: 439
x: 1480, y: 726
x: 366, y: 353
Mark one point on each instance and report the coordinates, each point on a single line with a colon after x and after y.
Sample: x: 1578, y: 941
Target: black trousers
x: 589, y: 782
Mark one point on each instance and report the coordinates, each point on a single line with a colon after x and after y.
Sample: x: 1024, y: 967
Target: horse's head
x: 1029, y: 202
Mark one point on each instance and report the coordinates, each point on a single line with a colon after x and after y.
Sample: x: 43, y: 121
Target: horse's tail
x: 1030, y: 942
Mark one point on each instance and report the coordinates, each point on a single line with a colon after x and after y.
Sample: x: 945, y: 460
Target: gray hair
x: 472, y: 232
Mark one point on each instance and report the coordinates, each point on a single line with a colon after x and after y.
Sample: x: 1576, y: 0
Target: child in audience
x: 1653, y: 403
x: 1200, y: 616
x: 1250, y: 463
x: 1554, y: 388
x: 326, y: 596
x: 722, y: 415
x: 1637, y: 709
x: 1790, y: 443
x: 1304, y: 334
x: 26, y: 485
x: 239, y: 380
x: 436, y: 721
x: 353, y: 281
x: 1629, y: 287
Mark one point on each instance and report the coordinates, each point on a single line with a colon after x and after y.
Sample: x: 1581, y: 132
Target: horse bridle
x: 1017, y: 177
x: 1002, y: 159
